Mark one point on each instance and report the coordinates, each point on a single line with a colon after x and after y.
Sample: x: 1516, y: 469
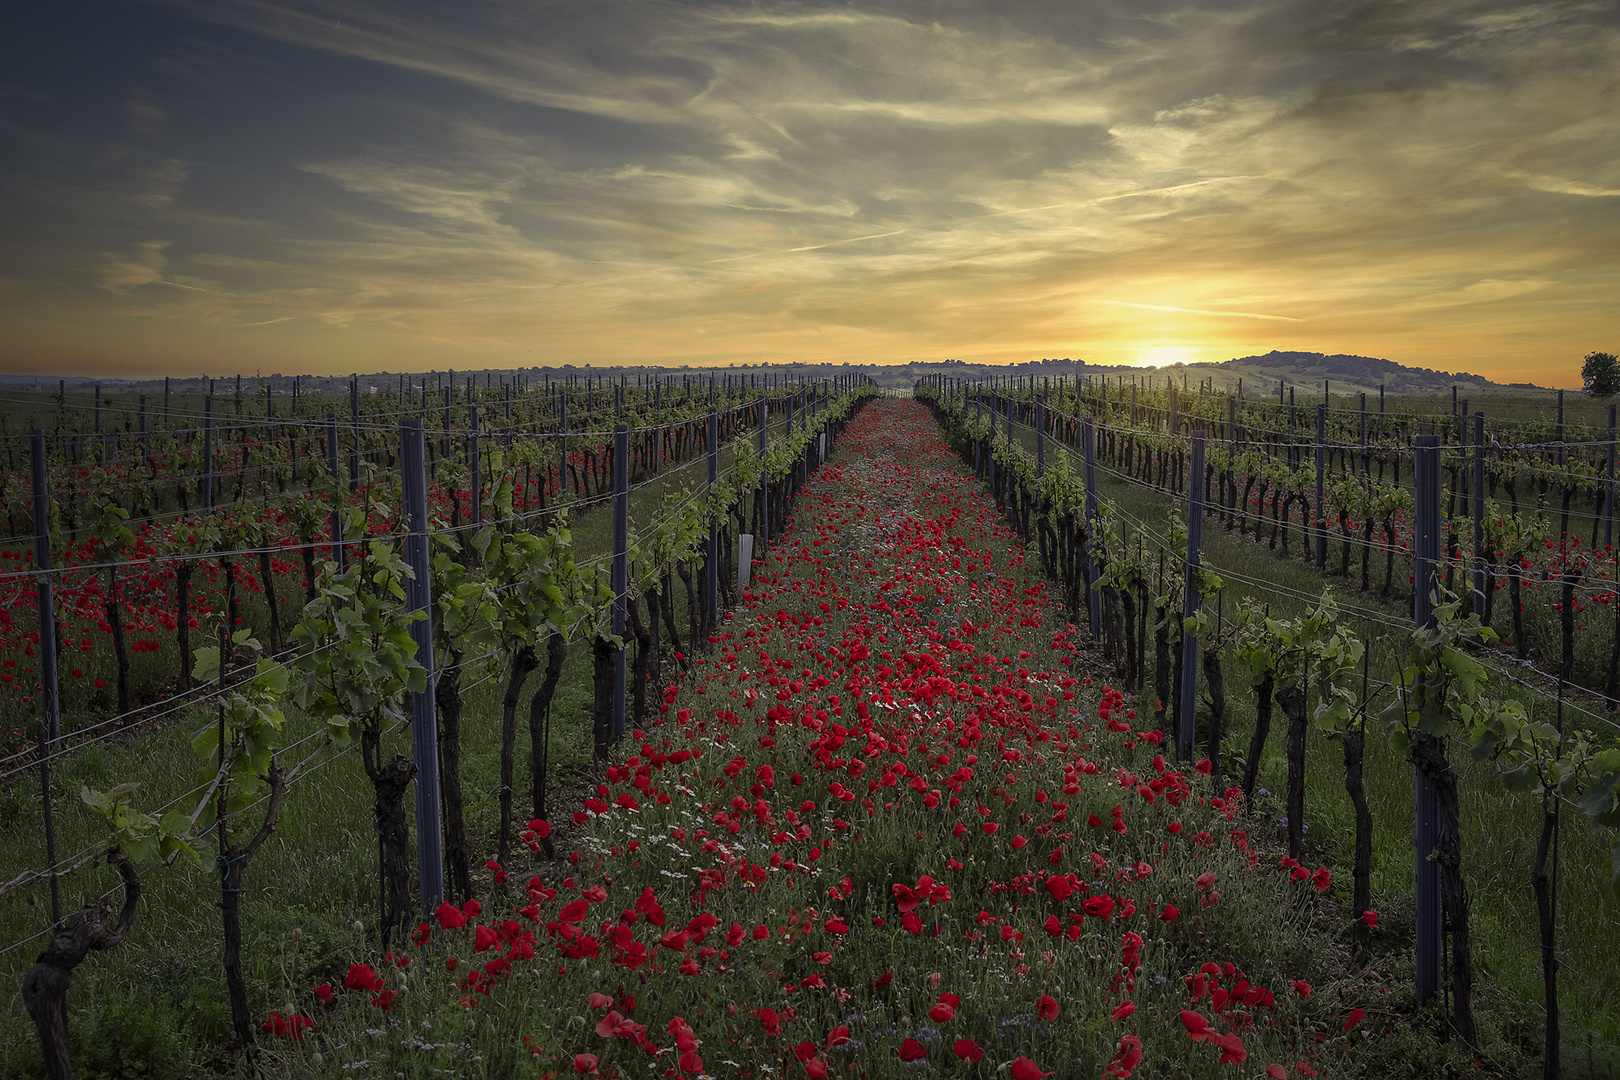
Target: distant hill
x: 1259, y: 374
x: 1348, y: 374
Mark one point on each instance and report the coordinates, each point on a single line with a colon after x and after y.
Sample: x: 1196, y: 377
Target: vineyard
x: 1435, y: 512
x: 749, y: 733
x: 270, y: 574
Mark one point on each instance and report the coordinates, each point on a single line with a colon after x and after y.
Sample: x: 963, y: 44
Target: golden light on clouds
x: 292, y: 185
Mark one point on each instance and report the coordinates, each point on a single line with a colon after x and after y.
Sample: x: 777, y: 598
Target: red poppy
x: 1025, y: 1069
x: 1370, y: 918
x: 1356, y: 1017
x: 286, y: 1027
x: 362, y: 977
x: 1123, y: 1010
x: 968, y: 1050
x: 324, y: 993
x: 1169, y: 913
x: 1047, y: 1007
x: 1232, y: 1051
x: 912, y: 1050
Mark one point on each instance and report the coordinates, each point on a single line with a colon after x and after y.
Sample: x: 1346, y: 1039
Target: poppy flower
x: 1197, y: 1026
x: 1025, y: 1069
x: 685, y: 1038
x: 1047, y: 1007
x: 1232, y: 1050
x: 1169, y: 913
x: 1356, y: 1017
x: 838, y: 1036
x: 286, y: 1027
x: 912, y: 1050
x: 585, y: 1063
x: 324, y: 993
x: 1277, y: 1072
x: 942, y: 1012
x: 968, y: 1050
x: 1123, y: 1010
x: 362, y: 977
x: 1370, y: 918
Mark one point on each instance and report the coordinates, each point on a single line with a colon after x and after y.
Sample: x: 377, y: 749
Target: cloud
x: 1202, y: 311
x: 143, y: 265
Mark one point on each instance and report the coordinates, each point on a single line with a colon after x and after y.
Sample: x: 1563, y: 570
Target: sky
x: 260, y: 186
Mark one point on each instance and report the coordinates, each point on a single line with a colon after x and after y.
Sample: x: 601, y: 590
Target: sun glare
x: 1163, y: 355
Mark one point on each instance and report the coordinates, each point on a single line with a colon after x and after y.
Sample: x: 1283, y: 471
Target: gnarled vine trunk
x: 540, y: 728
x: 1292, y: 700
x: 45, y: 987
x: 447, y: 696
x: 524, y: 661
x: 1257, y: 741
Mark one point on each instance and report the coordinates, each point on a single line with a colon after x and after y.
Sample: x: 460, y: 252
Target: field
x: 1019, y: 872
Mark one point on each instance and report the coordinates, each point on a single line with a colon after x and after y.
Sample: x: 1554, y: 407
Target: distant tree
x: 1601, y: 371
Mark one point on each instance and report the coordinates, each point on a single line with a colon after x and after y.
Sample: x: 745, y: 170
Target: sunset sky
x: 226, y: 186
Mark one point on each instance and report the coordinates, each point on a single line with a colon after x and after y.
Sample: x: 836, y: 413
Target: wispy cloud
x: 125, y: 271
x: 1201, y: 311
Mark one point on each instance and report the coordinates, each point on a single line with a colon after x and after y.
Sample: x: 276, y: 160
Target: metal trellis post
x: 424, y: 721
x: 1192, y: 597
x: 1093, y: 598
x: 337, y: 510
x: 1426, y: 545
x: 50, y: 721
x: 621, y: 566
